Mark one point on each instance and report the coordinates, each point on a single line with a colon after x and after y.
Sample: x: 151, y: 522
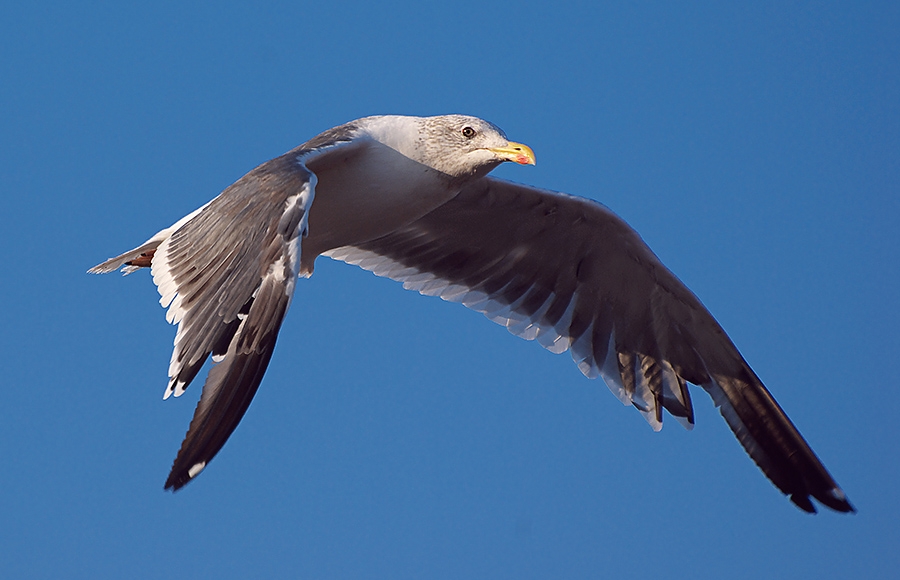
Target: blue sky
x: 755, y: 148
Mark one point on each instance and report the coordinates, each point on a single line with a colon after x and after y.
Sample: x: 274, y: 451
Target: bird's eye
x: 468, y: 132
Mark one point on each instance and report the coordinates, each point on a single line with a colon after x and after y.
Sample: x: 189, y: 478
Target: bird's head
x: 463, y: 146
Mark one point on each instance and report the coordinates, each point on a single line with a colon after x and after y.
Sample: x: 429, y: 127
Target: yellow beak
x: 517, y: 152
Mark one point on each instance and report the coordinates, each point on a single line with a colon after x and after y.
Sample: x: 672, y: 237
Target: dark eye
x: 468, y: 132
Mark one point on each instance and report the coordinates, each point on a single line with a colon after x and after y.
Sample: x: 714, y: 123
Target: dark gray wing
x: 233, y: 381
x: 227, y: 273
x: 227, y: 276
x: 569, y: 273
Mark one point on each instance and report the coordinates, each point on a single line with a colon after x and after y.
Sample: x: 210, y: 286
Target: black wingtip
x: 173, y: 483
x: 803, y: 502
x: 837, y: 500
x: 179, y: 479
x: 834, y: 498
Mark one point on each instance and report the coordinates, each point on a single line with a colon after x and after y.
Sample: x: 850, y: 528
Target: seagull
x: 409, y: 198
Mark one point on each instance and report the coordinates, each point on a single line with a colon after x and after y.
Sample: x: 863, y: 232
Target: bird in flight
x: 409, y: 198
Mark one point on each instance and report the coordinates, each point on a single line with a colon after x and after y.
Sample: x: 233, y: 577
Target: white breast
x: 366, y: 190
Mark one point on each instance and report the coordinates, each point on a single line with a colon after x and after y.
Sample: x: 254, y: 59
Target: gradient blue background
x: 397, y: 436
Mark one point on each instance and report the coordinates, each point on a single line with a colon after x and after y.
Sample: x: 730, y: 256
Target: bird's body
x: 409, y: 198
x: 381, y: 190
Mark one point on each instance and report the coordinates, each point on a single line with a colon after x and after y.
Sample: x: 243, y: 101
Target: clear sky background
x: 755, y: 148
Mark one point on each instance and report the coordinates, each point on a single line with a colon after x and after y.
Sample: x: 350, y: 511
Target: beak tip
x: 516, y: 152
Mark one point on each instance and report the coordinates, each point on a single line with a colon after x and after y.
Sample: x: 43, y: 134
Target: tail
x: 130, y: 261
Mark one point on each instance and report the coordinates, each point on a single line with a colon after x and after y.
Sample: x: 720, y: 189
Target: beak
x: 521, y: 154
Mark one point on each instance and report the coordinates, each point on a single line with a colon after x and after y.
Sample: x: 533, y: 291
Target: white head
x: 456, y: 145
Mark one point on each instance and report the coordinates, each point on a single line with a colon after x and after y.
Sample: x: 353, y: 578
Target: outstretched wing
x: 227, y: 277
x: 227, y: 273
x: 569, y: 273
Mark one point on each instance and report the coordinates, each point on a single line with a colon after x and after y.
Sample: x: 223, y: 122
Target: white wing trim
x: 553, y: 337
